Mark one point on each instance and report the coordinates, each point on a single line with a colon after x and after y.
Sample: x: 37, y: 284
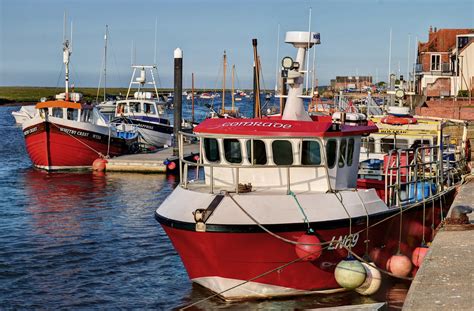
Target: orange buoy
x: 400, y: 265
x: 419, y: 255
x: 171, y: 166
x: 310, y: 248
x: 99, y: 164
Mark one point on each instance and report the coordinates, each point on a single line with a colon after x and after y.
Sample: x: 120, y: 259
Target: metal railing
x: 424, y: 169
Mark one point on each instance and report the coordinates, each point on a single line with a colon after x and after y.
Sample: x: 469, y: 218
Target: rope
x: 310, y: 230
x: 268, y: 231
x: 257, y: 277
x: 98, y: 153
x: 340, y: 199
x: 367, y: 225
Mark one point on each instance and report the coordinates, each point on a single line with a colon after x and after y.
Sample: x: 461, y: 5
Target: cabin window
x: 72, y: 114
x: 149, y: 108
x: 350, y: 151
x: 122, y: 108
x: 259, y: 152
x: 390, y: 144
x: 282, y: 152
x: 331, y: 150
x: 211, y: 148
x: 369, y: 144
x: 310, y: 153
x: 342, y: 153
x: 57, y: 112
x: 232, y: 150
x: 134, y: 107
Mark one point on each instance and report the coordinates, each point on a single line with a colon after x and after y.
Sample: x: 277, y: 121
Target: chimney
x: 435, y: 29
x: 431, y: 29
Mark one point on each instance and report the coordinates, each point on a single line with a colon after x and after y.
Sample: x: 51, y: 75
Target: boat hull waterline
x: 228, y: 256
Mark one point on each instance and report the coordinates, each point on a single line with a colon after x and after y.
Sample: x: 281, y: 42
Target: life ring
x: 393, y: 120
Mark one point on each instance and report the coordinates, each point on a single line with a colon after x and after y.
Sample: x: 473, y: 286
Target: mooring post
x: 178, y: 97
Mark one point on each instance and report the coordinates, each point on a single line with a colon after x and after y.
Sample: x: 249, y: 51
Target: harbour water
x: 81, y: 240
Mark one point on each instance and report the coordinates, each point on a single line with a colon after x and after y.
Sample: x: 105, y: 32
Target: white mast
x: 154, y: 52
x: 105, y: 60
x: 66, y: 54
x: 307, y: 52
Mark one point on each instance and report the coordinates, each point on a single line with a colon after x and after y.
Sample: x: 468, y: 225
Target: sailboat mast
x: 223, y: 83
x: 233, y: 100
x: 105, y: 61
x: 192, y: 97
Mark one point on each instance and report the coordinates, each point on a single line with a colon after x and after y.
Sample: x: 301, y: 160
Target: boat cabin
x: 139, y: 109
x: 72, y: 111
x: 280, y: 154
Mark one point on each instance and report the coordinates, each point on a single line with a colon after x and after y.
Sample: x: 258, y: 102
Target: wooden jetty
x: 155, y: 162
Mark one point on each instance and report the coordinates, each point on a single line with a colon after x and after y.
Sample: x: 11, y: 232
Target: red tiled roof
x: 443, y: 40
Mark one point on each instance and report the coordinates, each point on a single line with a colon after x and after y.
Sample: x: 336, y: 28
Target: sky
x: 355, y: 37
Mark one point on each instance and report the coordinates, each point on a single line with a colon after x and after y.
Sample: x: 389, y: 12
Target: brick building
x: 351, y: 82
x: 445, y: 62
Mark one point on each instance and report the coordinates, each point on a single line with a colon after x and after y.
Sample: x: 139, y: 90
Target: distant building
x: 351, y: 82
x: 445, y: 64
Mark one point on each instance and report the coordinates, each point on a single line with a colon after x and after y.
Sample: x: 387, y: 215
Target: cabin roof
x: 320, y: 127
x: 58, y: 104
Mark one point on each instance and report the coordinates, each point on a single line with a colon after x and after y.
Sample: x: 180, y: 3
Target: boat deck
x: 149, y: 162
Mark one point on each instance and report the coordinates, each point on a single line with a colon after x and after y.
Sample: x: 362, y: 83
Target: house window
x: 232, y: 151
x: 211, y: 148
x: 282, y: 152
x: 259, y: 152
x: 310, y: 153
x: 435, y: 62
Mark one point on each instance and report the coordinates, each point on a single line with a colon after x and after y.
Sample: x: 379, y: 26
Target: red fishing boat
x: 278, y: 208
x: 68, y: 134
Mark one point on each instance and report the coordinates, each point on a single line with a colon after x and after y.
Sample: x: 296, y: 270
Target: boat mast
x: 223, y: 83
x: 67, y: 50
x: 192, y: 97
x: 233, y: 100
x: 105, y: 60
x: 256, y: 95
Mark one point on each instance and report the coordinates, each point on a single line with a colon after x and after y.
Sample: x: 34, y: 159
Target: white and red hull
x: 227, y: 256
x: 54, y: 146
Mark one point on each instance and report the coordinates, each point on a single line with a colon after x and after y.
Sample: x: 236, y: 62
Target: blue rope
x: 310, y: 230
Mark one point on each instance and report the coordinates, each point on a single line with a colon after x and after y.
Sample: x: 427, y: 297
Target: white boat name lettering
x: 31, y: 130
x: 146, y: 126
x: 74, y: 132
x: 346, y: 241
x: 258, y: 123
